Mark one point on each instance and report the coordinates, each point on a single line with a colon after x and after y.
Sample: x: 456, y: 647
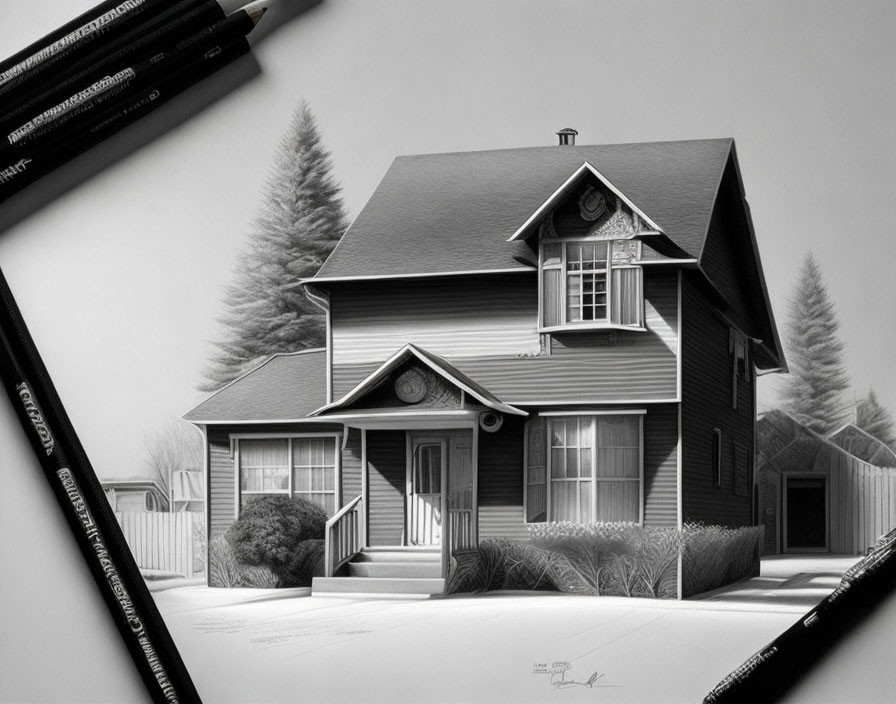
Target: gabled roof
x: 863, y: 445
x: 453, y: 213
x: 434, y: 362
x: 283, y: 387
x: 575, y: 179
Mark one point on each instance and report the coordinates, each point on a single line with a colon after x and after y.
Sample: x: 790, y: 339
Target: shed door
x: 806, y: 504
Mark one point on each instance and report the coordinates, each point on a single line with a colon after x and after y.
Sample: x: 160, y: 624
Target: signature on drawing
x: 558, y: 669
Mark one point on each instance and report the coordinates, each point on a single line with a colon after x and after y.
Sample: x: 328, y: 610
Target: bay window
x: 589, y: 283
x: 584, y: 468
x: 302, y: 466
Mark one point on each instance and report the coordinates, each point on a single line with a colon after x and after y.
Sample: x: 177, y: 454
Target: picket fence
x: 162, y: 541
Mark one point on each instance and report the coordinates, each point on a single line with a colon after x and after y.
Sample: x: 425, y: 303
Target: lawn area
x: 244, y: 645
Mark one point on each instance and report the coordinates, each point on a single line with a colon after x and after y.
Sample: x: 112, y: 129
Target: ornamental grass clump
x: 224, y: 570
x: 713, y: 556
x: 616, y: 559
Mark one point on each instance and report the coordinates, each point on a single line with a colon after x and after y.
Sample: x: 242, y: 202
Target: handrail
x: 343, y: 535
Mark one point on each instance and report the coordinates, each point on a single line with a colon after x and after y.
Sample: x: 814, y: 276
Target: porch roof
x: 434, y: 362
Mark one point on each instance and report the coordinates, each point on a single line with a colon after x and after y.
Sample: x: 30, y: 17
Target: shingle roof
x: 440, y: 213
x: 284, y: 387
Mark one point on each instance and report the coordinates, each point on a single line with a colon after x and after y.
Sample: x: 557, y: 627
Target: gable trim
x: 386, y: 367
x: 567, y: 185
x: 421, y: 275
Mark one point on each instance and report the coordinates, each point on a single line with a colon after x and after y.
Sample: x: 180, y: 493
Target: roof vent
x: 567, y: 136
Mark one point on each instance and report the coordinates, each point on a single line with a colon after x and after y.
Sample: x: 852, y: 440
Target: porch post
x: 365, y: 478
x: 474, y: 514
x: 446, y: 517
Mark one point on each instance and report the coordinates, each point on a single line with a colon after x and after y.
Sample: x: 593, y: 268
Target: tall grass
x: 611, y: 559
x: 713, y: 556
x: 224, y: 570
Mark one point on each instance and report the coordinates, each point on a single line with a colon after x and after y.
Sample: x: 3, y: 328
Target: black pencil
x: 81, y: 497
x: 28, y: 75
x: 772, y: 671
x: 46, y: 147
x: 159, y: 32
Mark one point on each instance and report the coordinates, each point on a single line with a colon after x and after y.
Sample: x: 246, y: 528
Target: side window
x: 717, y: 456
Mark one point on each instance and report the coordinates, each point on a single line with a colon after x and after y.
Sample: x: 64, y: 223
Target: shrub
x: 270, y: 530
x: 713, y: 556
x: 306, y: 563
x: 224, y: 570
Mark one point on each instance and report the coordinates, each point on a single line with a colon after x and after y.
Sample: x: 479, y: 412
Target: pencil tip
x: 256, y: 9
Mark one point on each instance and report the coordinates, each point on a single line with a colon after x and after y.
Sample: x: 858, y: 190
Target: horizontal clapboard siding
x: 582, y: 367
x: 706, y: 404
x: 661, y: 466
x: 502, y: 522
x: 351, y: 466
x: 501, y: 465
x: 387, y: 483
x: 474, y: 316
x: 221, y: 496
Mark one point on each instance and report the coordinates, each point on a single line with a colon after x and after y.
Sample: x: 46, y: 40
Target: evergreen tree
x: 876, y: 420
x: 301, y: 219
x: 813, y: 393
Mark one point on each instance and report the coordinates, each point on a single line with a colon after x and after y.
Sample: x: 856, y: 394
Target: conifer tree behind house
x: 876, y: 420
x: 813, y: 392
x: 300, y: 221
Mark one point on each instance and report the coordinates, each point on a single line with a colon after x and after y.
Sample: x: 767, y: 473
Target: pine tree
x: 813, y: 393
x: 301, y: 220
x: 876, y: 420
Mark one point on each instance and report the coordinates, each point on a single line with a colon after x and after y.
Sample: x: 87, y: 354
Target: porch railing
x: 343, y: 535
x: 461, y: 528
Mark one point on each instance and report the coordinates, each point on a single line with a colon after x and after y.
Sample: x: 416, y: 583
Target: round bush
x: 270, y: 530
x: 306, y: 563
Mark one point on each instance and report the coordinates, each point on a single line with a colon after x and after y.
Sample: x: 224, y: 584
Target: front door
x: 427, y: 471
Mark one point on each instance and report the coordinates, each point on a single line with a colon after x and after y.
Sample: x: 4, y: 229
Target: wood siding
x: 661, y: 466
x: 707, y: 404
x: 465, y: 317
x: 501, y: 465
x: 387, y: 485
x: 351, y: 467
x: 222, y: 483
x: 584, y: 367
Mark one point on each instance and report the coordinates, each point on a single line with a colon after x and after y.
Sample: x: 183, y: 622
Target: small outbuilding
x: 813, y: 495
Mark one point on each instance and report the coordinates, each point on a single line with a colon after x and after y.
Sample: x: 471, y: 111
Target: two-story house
x: 568, y: 333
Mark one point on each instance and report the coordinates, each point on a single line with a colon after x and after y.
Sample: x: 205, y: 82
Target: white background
x: 120, y: 277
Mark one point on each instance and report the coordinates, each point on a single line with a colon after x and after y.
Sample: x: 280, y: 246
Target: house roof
x: 434, y: 362
x: 450, y: 213
x: 863, y: 445
x: 283, y: 387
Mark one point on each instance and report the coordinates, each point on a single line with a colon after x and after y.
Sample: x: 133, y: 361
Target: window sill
x: 592, y: 327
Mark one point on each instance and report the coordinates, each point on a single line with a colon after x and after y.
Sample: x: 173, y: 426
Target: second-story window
x: 591, y: 284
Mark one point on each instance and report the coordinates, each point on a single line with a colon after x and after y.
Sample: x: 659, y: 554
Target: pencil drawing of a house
x: 566, y: 333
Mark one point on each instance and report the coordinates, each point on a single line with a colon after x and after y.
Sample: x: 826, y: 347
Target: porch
x: 417, y: 505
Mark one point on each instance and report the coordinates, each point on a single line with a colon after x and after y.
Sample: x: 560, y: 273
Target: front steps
x: 388, y: 570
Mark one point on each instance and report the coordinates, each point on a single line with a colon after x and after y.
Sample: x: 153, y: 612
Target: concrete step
x: 398, y: 554
x: 376, y: 585
x: 405, y: 569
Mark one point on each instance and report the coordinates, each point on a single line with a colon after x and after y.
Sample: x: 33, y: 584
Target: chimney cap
x: 567, y: 136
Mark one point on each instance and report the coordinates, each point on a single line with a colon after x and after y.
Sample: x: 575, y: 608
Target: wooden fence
x: 163, y: 541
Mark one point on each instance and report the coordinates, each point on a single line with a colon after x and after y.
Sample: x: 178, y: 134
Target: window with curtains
x: 584, y: 468
x: 304, y: 467
x: 591, y: 284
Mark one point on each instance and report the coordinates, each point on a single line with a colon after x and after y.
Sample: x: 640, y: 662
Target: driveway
x: 274, y: 646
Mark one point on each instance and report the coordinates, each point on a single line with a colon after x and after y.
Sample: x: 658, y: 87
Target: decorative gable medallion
x: 410, y: 387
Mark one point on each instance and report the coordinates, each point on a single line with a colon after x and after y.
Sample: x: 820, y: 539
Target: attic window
x: 590, y: 284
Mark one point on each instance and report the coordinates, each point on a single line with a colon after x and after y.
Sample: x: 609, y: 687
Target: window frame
x: 335, y: 437
x: 563, y: 267
x: 717, y: 457
x: 595, y: 480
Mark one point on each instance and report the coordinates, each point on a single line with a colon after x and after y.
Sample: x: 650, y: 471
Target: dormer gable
x: 587, y: 204
x: 588, y: 239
